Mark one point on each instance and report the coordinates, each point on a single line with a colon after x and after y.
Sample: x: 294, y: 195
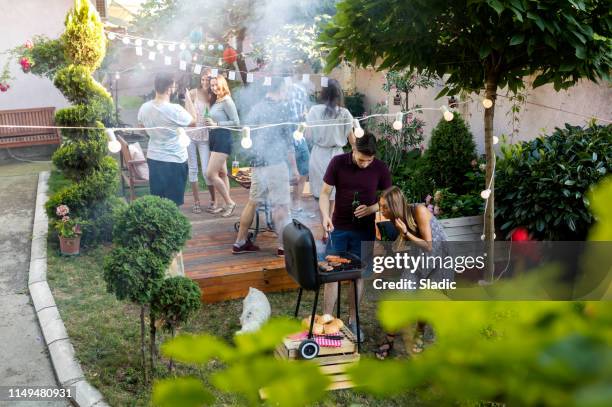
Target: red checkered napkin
x: 320, y: 339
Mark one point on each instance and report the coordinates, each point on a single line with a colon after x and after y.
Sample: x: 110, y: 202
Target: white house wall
x: 21, y: 20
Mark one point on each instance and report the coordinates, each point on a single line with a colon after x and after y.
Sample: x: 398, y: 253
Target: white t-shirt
x: 163, y: 143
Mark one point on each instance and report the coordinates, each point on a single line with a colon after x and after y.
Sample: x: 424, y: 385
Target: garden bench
x: 25, y: 137
x: 464, y: 229
x: 129, y: 175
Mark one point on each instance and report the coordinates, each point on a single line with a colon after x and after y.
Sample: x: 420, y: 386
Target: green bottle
x: 206, y: 112
x: 355, y: 204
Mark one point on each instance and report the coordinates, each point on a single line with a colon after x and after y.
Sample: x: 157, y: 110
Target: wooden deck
x: 222, y: 275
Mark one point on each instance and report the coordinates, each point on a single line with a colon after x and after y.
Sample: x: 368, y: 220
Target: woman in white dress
x: 203, y: 98
x: 327, y: 141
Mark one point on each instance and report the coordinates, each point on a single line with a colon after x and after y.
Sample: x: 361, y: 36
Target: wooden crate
x: 332, y: 361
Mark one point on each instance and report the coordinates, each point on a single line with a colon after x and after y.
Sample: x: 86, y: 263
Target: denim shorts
x: 302, y: 157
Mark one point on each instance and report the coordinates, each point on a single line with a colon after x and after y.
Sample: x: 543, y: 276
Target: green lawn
x: 105, y: 332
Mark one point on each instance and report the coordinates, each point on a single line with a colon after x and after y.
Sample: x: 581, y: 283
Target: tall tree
x: 478, y: 43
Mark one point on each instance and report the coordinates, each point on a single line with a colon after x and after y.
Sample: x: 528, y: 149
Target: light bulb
x: 246, y: 142
x: 220, y: 47
x: 399, y: 118
x: 202, y: 47
x: 182, y: 47
x: 113, y: 145
x: 448, y: 115
x: 211, y: 47
x: 487, y: 103
x: 183, y: 138
x: 482, y: 237
x: 160, y: 47
x: 171, y: 47
x: 299, y: 133
x: 357, y: 130
x: 485, y: 194
x: 111, y: 36
x: 117, y: 75
x: 138, y: 42
x: 150, y: 43
x: 126, y: 41
x: 495, y: 139
x: 192, y: 47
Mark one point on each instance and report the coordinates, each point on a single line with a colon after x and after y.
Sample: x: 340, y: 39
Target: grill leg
x: 297, y: 307
x: 314, y: 311
x: 338, y: 300
x: 357, y: 317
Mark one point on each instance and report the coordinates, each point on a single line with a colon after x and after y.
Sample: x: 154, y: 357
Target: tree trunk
x: 489, y: 221
x: 171, y: 364
x: 153, y: 346
x: 142, y: 344
x: 240, y: 60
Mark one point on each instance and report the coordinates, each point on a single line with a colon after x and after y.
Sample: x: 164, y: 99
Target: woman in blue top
x: 223, y: 114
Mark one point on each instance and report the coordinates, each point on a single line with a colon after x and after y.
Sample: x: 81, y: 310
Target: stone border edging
x: 67, y: 369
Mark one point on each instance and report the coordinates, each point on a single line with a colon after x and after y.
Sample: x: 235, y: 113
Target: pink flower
x: 65, y: 218
x: 430, y: 207
x: 29, y: 44
x: 436, y: 210
x: 428, y: 199
x: 62, y: 210
x: 77, y: 229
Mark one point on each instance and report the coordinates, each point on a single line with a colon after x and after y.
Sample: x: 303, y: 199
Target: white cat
x: 255, y: 311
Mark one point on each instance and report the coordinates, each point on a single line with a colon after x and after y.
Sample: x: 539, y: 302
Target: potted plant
x: 68, y: 230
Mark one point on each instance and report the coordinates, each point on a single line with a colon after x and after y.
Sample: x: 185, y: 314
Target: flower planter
x: 70, y: 246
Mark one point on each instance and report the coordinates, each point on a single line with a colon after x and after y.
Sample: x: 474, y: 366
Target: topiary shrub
x: 82, y: 155
x: 542, y: 184
x: 84, y: 36
x: 450, y: 153
x: 147, y: 234
x: 155, y: 224
x: 173, y: 304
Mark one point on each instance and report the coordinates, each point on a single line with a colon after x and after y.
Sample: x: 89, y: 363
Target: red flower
x: 520, y: 235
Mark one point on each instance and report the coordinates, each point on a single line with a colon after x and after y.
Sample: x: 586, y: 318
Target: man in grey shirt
x: 166, y: 158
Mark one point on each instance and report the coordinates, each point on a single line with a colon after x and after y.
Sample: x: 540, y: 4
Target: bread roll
x: 338, y: 322
x: 331, y: 328
x: 306, y: 321
x: 326, y: 318
x: 317, y: 329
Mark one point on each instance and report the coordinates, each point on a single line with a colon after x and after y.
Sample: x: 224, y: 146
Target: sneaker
x: 353, y: 328
x: 280, y: 252
x: 229, y: 210
x: 247, y: 247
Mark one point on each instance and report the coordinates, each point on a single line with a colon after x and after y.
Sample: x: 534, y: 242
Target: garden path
x: 24, y: 360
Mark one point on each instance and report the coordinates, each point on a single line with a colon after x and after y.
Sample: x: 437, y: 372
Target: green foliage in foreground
x: 249, y: 369
x: 517, y: 353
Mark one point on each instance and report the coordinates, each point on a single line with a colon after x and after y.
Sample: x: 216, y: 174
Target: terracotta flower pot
x: 70, y: 246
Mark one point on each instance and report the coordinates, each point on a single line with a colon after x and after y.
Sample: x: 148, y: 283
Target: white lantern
x: 113, y: 145
x: 485, y: 194
x: 487, y: 103
x: 357, y: 130
x: 448, y: 115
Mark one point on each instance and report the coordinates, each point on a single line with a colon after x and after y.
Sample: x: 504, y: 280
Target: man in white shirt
x: 166, y: 158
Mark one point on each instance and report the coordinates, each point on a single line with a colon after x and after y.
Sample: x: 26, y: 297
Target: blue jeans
x: 350, y: 241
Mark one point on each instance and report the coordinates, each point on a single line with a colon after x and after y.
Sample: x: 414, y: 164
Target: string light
x: 182, y: 47
x: 125, y: 41
x: 150, y: 43
x: 183, y: 138
x: 112, y: 36
x: 485, y: 194
x: 138, y: 42
x: 487, y: 103
x: 202, y: 47
x: 211, y: 47
x: 448, y: 115
x: 399, y: 118
x: 171, y: 47
x: 114, y: 146
x: 220, y: 47
x: 298, y: 135
x: 357, y: 130
x: 246, y: 141
x: 495, y: 139
x: 192, y: 47
x: 117, y: 75
x: 160, y: 47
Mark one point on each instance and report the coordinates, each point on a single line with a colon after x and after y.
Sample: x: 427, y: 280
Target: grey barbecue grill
x: 302, y: 265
